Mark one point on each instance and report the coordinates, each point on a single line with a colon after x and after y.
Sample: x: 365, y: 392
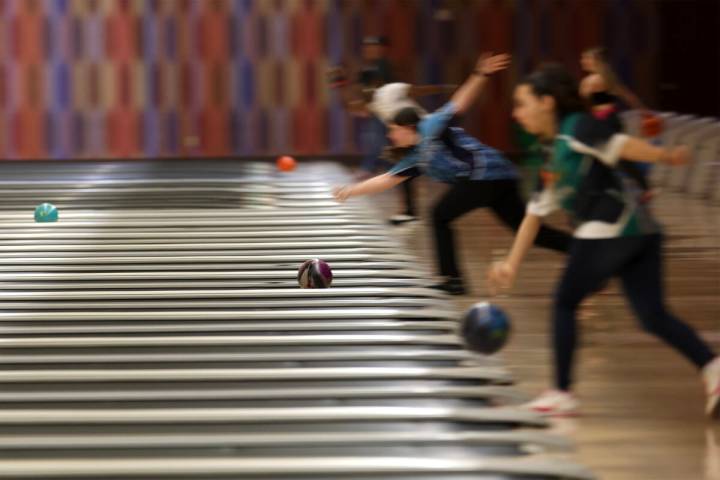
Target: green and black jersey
x: 580, y: 177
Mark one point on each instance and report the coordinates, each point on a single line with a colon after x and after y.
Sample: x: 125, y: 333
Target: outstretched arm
x: 469, y: 91
x: 370, y: 186
x: 501, y: 275
x: 639, y: 150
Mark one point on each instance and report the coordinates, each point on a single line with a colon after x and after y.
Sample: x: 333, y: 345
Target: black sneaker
x: 451, y: 286
x: 401, y: 219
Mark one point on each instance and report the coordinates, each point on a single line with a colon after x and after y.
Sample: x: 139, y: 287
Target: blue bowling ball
x: 485, y: 328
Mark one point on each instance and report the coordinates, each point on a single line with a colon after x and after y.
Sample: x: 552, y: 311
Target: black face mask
x: 602, y: 98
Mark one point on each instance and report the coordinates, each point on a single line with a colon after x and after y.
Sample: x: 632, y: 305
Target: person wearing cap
x: 374, y: 98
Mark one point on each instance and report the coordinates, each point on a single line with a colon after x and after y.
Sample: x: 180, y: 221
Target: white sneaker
x: 711, y: 375
x: 555, y: 403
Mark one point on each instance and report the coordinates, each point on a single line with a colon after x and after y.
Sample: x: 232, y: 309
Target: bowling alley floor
x: 642, y: 403
x: 157, y: 330
x: 642, y: 419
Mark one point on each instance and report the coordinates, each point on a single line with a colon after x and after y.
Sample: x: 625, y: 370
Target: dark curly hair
x: 554, y: 80
x: 407, y: 117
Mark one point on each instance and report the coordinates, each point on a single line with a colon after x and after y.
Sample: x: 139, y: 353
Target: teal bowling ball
x: 46, y: 212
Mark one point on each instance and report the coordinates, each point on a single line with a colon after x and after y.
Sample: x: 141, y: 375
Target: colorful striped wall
x: 156, y: 78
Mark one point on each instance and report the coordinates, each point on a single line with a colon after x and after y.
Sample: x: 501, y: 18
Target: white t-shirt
x: 390, y: 99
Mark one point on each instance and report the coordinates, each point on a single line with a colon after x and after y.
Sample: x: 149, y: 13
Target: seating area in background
x: 700, y: 178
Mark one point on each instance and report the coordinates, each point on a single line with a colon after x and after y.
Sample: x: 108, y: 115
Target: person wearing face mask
x: 615, y: 235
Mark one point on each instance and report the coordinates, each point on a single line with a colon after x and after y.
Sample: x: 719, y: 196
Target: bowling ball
x: 314, y: 274
x: 286, y: 163
x: 46, y: 212
x: 485, y: 328
x: 651, y: 126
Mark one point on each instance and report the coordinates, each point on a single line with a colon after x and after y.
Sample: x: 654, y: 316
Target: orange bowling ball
x: 651, y: 126
x: 286, y: 163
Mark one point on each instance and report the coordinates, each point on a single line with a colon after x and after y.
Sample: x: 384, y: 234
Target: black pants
x: 503, y: 198
x: 408, y: 188
x: 638, y: 262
